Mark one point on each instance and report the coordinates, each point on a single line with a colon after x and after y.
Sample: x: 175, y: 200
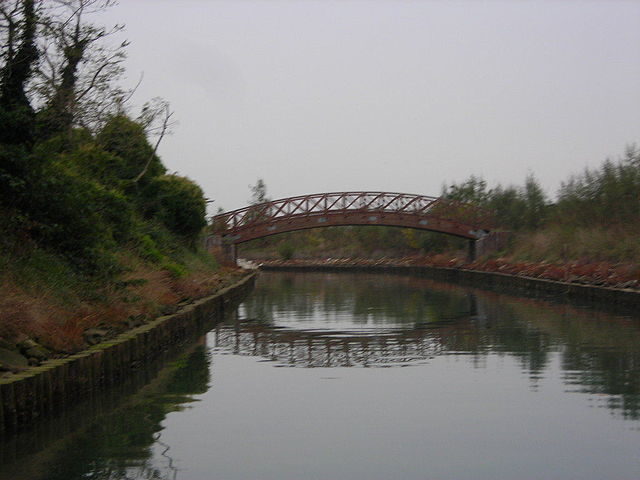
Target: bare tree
x: 79, y: 68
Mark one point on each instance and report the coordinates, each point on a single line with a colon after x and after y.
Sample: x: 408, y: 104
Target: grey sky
x: 393, y: 95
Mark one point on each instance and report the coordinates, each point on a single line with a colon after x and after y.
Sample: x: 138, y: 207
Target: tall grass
x: 46, y: 299
x: 562, y: 243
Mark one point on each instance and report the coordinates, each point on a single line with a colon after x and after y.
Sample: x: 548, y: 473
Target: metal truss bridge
x: 351, y: 208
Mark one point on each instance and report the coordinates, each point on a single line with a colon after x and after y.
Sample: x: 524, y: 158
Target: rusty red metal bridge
x: 350, y: 208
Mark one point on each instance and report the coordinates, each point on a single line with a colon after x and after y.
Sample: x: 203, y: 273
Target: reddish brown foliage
x: 60, y: 327
x: 597, y: 273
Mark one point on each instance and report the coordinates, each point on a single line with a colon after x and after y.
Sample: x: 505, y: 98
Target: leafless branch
x: 164, y: 127
x: 78, y: 74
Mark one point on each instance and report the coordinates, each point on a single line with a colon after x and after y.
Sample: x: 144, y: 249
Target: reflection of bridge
x: 350, y: 208
x: 312, y: 348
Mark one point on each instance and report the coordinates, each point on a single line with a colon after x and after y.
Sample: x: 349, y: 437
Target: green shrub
x: 126, y: 139
x: 179, y: 204
x: 149, y: 250
x: 78, y: 217
x: 286, y: 250
x: 92, y: 161
x: 175, y: 270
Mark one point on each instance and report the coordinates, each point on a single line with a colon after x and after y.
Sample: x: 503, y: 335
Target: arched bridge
x: 350, y: 208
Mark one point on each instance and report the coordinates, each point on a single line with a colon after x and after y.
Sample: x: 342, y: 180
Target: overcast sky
x: 319, y: 96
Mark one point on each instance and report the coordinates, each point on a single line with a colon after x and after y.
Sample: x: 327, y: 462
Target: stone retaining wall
x: 42, y: 392
x: 623, y: 298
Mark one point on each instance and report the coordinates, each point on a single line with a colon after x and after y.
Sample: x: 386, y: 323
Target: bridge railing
x: 336, y: 202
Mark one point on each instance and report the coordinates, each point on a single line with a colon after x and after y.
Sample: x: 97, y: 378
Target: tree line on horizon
x: 605, y: 196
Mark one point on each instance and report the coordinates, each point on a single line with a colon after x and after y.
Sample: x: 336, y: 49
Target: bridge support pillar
x: 230, y: 253
x: 224, y: 252
x: 471, y: 252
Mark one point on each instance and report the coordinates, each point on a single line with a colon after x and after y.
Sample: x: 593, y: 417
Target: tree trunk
x: 17, y: 115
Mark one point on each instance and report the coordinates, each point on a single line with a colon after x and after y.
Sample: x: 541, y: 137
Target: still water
x: 357, y: 376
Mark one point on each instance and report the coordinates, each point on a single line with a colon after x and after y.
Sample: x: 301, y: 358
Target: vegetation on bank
x: 588, y: 235
x: 96, y: 235
x: 594, y: 217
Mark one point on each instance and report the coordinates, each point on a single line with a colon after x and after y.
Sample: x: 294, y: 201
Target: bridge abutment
x: 493, y: 242
x: 230, y: 253
x: 225, y: 252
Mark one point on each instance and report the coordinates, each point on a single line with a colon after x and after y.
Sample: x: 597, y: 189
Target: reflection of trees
x: 599, y: 353
x: 365, y: 298
x: 119, y: 445
x: 596, y: 371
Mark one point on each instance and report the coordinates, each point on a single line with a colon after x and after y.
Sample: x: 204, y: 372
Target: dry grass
x: 40, y: 316
x: 565, y: 244
x: 39, y: 310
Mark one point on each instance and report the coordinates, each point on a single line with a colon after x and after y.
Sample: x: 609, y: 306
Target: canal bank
x: 44, y: 391
x: 520, y: 285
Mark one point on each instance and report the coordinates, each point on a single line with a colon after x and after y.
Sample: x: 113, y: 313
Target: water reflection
x: 309, y: 348
x: 128, y: 442
x: 343, y: 320
x: 345, y: 301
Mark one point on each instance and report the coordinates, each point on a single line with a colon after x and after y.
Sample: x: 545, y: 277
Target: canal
x: 334, y: 376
